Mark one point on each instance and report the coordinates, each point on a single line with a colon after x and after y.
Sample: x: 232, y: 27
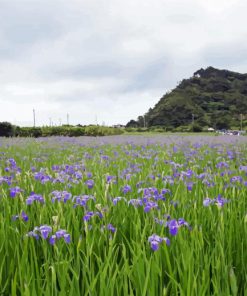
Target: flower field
x: 123, y: 216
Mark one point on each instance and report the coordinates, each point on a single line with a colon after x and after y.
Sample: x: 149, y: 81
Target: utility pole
x: 193, y: 116
x: 67, y: 118
x: 241, y: 122
x: 144, y: 122
x: 34, y: 119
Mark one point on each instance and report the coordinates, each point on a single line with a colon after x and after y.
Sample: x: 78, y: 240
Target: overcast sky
x: 109, y: 60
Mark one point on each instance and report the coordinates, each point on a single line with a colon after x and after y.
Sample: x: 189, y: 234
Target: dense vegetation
x: 123, y: 216
x: 9, y: 130
x: 210, y: 98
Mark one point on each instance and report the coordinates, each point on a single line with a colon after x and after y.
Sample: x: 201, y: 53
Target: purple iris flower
x: 11, y: 162
x: 33, y: 234
x: 165, y: 191
x: 60, y: 233
x: 15, y: 217
x: 135, y: 202
x: 155, y: 241
x: 111, y: 228
x: 207, y: 202
x: 173, y: 227
x: 88, y: 216
x: 63, y: 234
x: 117, y: 199
x: 243, y: 168
x: 14, y: 191
x: 149, y: 206
x: 99, y: 214
x: 190, y: 186
x: 45, y: 230
x: 126, y: 189
x: 67, y: 238
x: 174, y: 203
x: 52, y: 240
x: 110, y: 179
x: 24, y: 216
x: 160, y: 222
x: 236, y: 179
x: 89, y: 183
x: 220, y: 201
x: 222, y: 164
x: 89, y: 174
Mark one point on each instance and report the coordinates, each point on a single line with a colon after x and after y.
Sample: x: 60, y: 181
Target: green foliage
x: 6, y: 129
x: 69, y: 131
x: 196, y: 128
x: 34, y: 132
x: 96, y: 130
x: 215, y: 98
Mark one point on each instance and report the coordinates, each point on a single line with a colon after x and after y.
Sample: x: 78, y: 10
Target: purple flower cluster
x: 34, y: 197
x: 136, y: 202
x: 45, y: 232
x: 42, y: 177
x: 149, y: 205
x: 6, y: 179
x: 58, y: 235
x: 63, y: 196
x: 219, y: 201
x: 153, y: 193
x: 82, y: 200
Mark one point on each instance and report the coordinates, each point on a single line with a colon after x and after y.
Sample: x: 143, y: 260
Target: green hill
x: 210, y: 98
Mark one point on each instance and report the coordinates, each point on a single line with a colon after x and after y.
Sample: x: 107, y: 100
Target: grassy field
x: 123, y: 216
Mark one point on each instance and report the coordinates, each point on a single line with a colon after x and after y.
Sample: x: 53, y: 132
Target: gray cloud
x: 111, y: 58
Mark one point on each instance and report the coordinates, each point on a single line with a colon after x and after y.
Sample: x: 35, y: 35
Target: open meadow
x: 123, y: 215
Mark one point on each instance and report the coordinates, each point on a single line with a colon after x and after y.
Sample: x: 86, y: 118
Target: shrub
x: 6, y: 129
x: 196, y: 128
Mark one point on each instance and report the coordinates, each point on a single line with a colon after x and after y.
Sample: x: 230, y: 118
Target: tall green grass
x: 209, y: 259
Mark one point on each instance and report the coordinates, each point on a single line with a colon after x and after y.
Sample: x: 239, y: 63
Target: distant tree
x: 140, y: 121
x: 132, y: 123
x: 196, y: 128
x: 6, y: 129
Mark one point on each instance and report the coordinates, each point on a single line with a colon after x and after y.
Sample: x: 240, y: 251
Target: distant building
x: 118, y: 126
